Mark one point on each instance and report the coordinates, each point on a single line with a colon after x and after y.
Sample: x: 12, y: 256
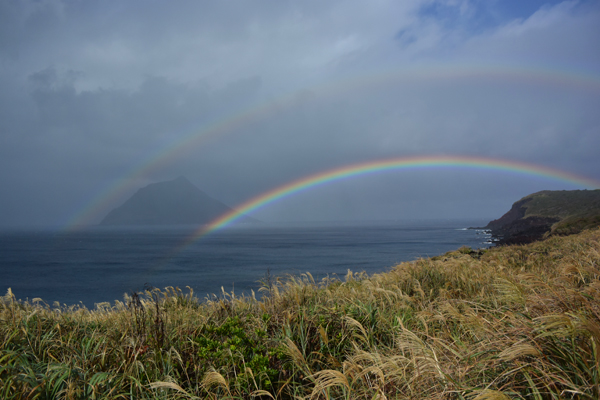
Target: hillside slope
x: 511, y: 322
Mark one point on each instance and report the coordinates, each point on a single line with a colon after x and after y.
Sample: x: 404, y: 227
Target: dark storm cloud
x: 74, y: 140
x: 157, y: 108
x: 91, y: 91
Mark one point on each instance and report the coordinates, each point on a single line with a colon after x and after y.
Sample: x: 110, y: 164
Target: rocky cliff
x: 547, y: 212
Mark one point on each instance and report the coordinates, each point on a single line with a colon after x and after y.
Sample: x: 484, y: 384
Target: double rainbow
x: 197, y: 136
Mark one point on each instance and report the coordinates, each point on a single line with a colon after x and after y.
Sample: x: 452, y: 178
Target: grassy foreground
x: 518, y: 322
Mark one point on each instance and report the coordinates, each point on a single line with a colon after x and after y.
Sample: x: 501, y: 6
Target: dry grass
x: 518, y: 322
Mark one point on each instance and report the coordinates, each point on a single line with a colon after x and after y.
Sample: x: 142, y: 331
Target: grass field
x: 517, y: 322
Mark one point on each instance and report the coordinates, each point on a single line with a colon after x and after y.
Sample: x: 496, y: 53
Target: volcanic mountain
x: 168, y: 203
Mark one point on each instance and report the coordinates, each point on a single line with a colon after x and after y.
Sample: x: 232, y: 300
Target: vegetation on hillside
x: 576, y: 210
x: 515, y: 322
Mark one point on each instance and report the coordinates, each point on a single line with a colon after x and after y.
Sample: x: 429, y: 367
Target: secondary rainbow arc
x: 168, y: 153
x: 353, y: 170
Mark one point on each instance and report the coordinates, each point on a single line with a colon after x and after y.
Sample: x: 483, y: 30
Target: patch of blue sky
x: 518, y: 9
x: 479, y: 15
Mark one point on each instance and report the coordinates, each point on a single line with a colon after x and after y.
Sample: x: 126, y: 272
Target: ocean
x: 101, y: 265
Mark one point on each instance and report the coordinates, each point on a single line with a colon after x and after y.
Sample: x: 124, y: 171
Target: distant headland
x: 174, y: 202
x: 561, y: 212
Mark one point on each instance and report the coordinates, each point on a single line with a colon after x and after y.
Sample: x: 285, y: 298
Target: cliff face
x: 547, y: 212
x: 515, y: 213
x: 167, y: 203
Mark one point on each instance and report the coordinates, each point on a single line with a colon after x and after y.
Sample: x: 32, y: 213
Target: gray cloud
x: 92, y: 91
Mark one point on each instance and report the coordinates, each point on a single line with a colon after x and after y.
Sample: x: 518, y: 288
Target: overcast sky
x: 97, y: 95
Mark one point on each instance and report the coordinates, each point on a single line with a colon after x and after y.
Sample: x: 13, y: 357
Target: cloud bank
x: 246, y: 96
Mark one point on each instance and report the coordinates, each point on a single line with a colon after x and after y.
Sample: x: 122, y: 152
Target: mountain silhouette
x: 168, y: 203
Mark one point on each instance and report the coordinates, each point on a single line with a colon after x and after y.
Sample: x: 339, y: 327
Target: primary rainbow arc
x: 383, y: 165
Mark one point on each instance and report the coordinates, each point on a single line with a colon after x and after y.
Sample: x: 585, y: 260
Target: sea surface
x: 101, y: 265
